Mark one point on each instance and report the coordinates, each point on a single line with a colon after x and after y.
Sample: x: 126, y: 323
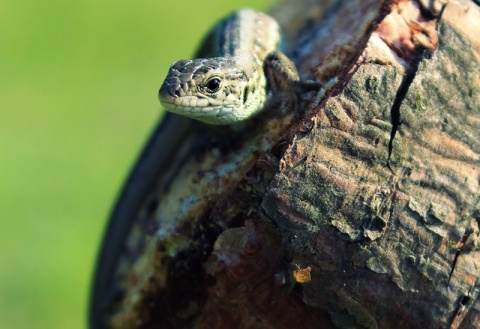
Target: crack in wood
x: 466, y: 301
x: 461, y: 243
x: 410, y: 73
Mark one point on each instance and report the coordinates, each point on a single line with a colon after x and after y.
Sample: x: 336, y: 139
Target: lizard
x: 239, y: 71
x: 243, y: 72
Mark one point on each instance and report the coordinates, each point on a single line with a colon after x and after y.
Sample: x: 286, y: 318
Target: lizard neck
x: 250, y: 34
x: 250, y: 37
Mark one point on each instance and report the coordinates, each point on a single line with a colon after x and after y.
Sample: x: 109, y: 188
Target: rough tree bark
x: 364, y: 213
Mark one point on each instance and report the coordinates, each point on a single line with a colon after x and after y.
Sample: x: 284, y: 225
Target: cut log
x: 363, y: 213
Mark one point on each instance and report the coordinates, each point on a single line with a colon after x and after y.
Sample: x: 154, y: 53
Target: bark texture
x: 364, y: 213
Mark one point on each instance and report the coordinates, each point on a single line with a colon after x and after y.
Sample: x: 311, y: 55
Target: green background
x: 78, y: 85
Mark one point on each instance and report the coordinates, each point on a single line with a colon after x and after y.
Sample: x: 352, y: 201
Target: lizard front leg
x: 282, y: 77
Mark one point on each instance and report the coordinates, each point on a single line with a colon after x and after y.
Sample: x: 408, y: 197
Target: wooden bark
x: 300, y: 223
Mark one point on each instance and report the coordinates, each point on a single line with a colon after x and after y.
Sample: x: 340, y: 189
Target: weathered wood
x: 287, y: 223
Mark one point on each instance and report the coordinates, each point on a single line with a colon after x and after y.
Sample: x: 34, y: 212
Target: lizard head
x: 211, y: 90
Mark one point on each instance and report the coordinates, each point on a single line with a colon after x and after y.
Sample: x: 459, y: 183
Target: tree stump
x: 363, y: 213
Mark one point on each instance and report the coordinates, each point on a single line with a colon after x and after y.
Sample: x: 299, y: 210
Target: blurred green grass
x: 78, y: 84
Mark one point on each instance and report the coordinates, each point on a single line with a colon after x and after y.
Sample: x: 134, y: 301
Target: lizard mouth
x: 189, y: 103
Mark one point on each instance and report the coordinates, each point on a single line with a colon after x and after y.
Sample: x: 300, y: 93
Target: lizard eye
x: 213, y: 85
